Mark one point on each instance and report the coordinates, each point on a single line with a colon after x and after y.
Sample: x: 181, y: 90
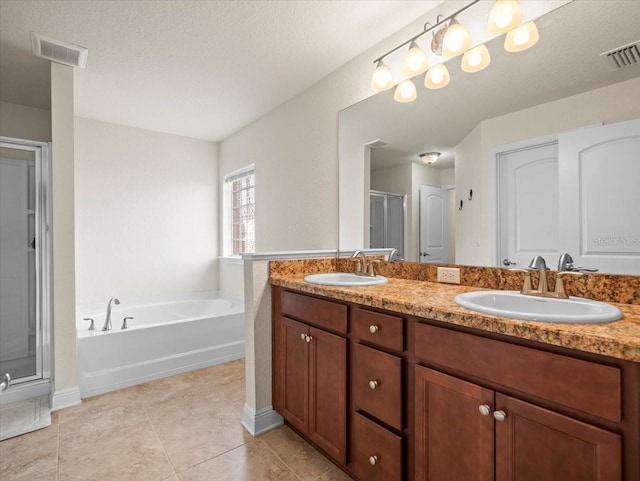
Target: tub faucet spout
x: 107, y: 322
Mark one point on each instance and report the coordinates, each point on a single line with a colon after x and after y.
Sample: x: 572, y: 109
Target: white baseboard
x: 261, y: 421
x: 65, y: 398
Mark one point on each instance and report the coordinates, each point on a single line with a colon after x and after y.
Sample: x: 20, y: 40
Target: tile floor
x: 182, y: 428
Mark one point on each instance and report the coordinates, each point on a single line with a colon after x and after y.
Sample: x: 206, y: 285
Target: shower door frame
x: 39, y: 383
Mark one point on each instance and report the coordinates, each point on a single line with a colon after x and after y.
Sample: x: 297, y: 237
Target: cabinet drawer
x: 376, y: 453
x: 377, y: 328
x: 586, y: 386
x: 376, y: 384
x: 327, y: 314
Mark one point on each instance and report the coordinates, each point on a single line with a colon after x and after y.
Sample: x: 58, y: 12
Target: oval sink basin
x: 344, y: 279
x: 530, y: 308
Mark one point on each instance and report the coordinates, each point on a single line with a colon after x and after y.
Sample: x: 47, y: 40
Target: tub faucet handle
x: 91, y: 326
x: 124, y: 323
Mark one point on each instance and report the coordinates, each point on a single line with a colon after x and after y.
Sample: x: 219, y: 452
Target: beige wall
x: 614, y: 103
x: 64, y: 282
x: 146, y: 213
x: 22, y: 122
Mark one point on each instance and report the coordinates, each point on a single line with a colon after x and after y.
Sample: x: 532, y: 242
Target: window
x: 238, y: 215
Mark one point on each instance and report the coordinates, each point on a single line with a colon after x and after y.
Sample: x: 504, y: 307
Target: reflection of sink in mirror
x: 518, y: 306
x: 344, y: 279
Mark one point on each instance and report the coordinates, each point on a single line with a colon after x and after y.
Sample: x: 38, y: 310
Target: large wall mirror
x: 522, y: 100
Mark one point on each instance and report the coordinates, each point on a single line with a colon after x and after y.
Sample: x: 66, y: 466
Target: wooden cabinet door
x: 295, y: 373
x: 453, y: 440
x: 534, y: 444
x: 328, y: 393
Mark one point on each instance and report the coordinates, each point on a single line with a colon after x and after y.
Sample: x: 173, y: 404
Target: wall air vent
x: 622, y: 56
x: 57, y: 51
x: 376, y: 144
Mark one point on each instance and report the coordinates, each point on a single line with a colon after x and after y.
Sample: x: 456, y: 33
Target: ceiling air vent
x: 622, y: 56
x: 375, y: 144
x: 58, y: 51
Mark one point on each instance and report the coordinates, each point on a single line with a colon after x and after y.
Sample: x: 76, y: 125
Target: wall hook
x: 460, y: 208
x: 470, y: 193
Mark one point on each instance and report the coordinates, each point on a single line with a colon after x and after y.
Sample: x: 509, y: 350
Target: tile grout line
x: 282, y: 460
x: 155, y: 431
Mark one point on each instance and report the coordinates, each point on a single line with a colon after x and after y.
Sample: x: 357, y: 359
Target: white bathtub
x: 163, y: 339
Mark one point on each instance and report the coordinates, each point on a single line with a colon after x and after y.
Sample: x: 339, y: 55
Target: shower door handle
x: 4, y: 381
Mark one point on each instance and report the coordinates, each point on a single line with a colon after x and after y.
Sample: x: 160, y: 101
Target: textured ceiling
x: 201, y: 69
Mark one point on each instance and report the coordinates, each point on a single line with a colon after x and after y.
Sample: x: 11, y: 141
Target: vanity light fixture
x: 429, y: 157
x: 456, y: 40
x: 505, y: 15
x: 476, y: 59
x: 382, y: 78
x: 415, y: 61
x: 405, y: 92
x: 437, y: 77
x: 522, y: 38
x: 450, y: 39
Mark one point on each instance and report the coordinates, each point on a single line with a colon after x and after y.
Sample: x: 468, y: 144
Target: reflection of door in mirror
x: 387, y: 221
x: 578, y: 195
x: 434, y: 224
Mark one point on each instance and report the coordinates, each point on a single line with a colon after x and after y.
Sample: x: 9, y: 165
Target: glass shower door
x: 20, y: 332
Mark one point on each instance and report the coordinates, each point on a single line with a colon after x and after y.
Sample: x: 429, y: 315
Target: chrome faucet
x: 107, y: 322
x: 539, y: 263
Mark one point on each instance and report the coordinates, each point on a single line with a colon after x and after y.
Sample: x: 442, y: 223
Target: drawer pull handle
x: 373, y: 460
x: 373, y: 328
x: 499, y: 416
x: 373, y: 384
x: 309, y: 338
x: 484, y: 409
x: 303, y: 336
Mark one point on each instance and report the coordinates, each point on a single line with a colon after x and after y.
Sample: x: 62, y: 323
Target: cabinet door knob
x: 373, y: 384
x: 499, y: 415
x: 373, y: 329
x: 373, y: 460
x: 484, y: 409
x: 309, y: 339
x: 303, y: 336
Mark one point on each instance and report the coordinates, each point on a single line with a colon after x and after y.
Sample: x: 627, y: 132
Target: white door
x: 528, y: 205
x: 434, y: 224
x: 600, y: 197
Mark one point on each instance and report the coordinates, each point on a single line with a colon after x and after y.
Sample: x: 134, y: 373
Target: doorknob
x: 4, y: 381
x: 424, y: 254
x: 507, y: 262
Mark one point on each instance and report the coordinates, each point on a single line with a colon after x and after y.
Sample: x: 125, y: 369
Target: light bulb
x: 505, y: 15
x: 415, y: 62
x: 437, y: 77
x: 382, y: 78
x: 476, y: 59
x: 456, y: 40
x: 405, y: 92
x: 522, y: 38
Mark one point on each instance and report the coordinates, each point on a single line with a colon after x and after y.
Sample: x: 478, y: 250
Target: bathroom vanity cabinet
x: 423, y: 400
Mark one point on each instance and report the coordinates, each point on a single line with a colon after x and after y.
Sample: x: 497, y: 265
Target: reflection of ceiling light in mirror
x: 415, y: 62
x: 382, y: 78
x: 429, y: 157
x: 405, y: 92
x: 522, y: 38
x: 437, y: 77
x: 505, y: 15
x: 476, y: 59
x: 456, y: 41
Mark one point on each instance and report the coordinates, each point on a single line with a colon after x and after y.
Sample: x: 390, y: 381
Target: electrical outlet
x: 449, y: 274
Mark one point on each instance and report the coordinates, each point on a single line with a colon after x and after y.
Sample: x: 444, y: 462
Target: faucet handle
x: 370, y: 267
x: 91, y: 326
x: 124, y: 322
x: 526, y: 286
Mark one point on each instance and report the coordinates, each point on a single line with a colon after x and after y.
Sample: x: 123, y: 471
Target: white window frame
x: 227, y: 209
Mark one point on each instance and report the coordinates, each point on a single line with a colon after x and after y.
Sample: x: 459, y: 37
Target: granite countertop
x: 433, y: 300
